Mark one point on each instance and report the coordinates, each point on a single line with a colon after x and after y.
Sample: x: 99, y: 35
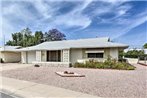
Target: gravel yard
x: 100, y: 82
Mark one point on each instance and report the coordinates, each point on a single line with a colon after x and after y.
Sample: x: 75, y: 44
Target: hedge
x: 108, y: 64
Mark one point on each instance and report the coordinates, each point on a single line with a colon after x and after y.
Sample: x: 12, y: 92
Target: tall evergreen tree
x: 38, y: 37
x: 27, y: 37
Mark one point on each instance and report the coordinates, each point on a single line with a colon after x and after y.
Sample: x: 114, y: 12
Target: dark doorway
x: 54, y: 56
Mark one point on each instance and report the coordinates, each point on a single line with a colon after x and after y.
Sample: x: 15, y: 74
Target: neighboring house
x: 70, y: 51
x: 9, y: 54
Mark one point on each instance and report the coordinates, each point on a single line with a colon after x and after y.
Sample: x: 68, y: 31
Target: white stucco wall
x: 80, y: 55
x: 11, y: 57
x: 106, y: 53
x: 75, y: 54
x: 31, y: 56
x: 114, y: 53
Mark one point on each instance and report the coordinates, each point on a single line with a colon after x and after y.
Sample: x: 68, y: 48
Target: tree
x: 145, y: 46
x: 16, y: 39
x: 38, y: 37
x: 54, y: 35
x: 25, y: 37
x: 10, y: 43
x: 134, y: 53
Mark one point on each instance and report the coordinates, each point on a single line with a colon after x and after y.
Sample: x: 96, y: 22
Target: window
x: 95, y: 55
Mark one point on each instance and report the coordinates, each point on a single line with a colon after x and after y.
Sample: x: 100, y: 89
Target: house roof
x: 80, y: 43
x: 9, y: 48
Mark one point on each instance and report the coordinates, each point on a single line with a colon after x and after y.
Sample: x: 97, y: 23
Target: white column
x: 44, y: 56
x: 66, y: 55
x: 24, y: 57
x: 61, y: 55
x: 38, y: 56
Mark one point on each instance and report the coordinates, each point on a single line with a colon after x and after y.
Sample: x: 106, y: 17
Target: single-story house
x: 9, y: 54
x: 63, y: 53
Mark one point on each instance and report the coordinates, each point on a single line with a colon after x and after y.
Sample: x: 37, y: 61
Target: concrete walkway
x: 26, y: 89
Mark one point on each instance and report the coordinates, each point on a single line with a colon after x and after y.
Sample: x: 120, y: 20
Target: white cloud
x: 75, y: 17
x: 114, y: 7
x: 44, y: 8
x: 16, y: 11
x: 129, y: 24
x: 114, y: 1
x: 71, y: 20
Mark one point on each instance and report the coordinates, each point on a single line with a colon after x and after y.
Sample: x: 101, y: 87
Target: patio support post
x: 23, y: 57
x: 61, y: 55
x: 38, y: 56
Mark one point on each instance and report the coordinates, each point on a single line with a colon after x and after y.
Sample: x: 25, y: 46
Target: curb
x: 20, y: 92
x: 5, y: 91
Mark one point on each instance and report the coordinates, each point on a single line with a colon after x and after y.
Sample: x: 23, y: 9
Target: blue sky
x: 121, y: 20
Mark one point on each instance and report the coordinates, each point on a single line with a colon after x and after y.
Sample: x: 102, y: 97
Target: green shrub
x: 90, y: 64
x: 80, y: 65
x: 99, y: 65
x: 131, y: 68
x: 108, y: 64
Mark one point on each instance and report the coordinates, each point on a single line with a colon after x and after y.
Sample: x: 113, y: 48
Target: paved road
x: 2, y: 95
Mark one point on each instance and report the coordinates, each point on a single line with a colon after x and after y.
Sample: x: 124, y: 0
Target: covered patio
x: 47, y: 57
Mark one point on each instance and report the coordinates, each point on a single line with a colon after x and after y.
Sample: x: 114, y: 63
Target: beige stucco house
x: 63, y: 53
x: 9, y: 54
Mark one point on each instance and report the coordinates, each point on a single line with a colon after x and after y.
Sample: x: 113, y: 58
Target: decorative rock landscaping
x: 100, y: 82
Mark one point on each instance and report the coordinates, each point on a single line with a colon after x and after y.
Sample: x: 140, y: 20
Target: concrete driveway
x: 99, y: 82
x: 9, y: 66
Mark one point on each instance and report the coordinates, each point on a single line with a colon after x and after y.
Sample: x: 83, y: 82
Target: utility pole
x: 23, y: 33
x: 3, y: 40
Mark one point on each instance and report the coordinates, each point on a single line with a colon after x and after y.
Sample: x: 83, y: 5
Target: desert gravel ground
x: 100, y: 82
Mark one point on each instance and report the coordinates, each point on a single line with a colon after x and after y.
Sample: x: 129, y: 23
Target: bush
x: 108, y: 64
x: 80, y: 65
x: 99, y: 65
x: 90, y: 64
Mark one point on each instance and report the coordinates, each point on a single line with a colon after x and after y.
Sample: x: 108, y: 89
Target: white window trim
x: 94, y: 51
